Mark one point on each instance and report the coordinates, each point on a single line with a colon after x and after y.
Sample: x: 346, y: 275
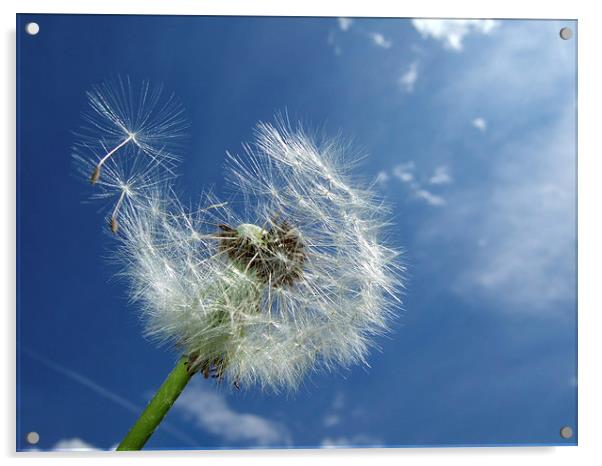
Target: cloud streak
x: 441, y: 176
x: 408, y: 79
x: 345, y: 23
x: 105, y: 393
x: 380, y: 41
x: 526, y: 235
x: 74, y: 444
x: 480, y: 124
x: 348, y: 25
x: 352, y: 441
x: 406, y: 174
x: 211, y: 412
x: 429, y: 197
x: 516, y: 219
x: 451, y: 32
x: 335, y: 415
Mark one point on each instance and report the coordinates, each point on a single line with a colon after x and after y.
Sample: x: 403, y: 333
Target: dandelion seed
x: 96, y: 174
x: 113, y: 222
x: 143, y: 125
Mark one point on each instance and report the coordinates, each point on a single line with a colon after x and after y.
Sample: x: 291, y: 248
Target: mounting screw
x: 566, y: 33
x: 32, y: 438
x: 32, y: 28
x: 566, y: 432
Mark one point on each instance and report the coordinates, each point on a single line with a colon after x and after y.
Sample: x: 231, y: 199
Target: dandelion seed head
x: 299, y: 279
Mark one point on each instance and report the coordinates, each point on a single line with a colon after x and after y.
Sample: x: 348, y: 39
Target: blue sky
x: 469, y: 130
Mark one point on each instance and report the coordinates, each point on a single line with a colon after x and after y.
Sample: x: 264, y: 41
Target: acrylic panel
x: 274, y: 232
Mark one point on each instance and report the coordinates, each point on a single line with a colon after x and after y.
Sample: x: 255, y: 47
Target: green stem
x: 157, y: 408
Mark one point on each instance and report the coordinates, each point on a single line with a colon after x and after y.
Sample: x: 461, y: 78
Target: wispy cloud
x: 441, y: 176
x: 335, y: 415
x: 71, y: 444
x: 480, y: 124
x: 525, y: 235
x: 452, y: 31
x: 379, y: 40
x: 382, y: 178
x: 74, y: 444
x: 406, y: 173
x: 211, y: 412
x: 353, y: 441
x: 339, y: 401
x: 345, y: 23
x: 429, y: 197
x: 515, y: 220
x: 409, y: 77
x: 331, y: 420
x: 332, y: 42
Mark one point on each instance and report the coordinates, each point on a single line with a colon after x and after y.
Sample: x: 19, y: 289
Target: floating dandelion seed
x: 299, y: 280
x: 96, y: 173
x: 130, y: 140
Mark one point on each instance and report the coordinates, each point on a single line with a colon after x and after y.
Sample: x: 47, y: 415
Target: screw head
x: 566, y: 432
x: 566, y: 33
x: 32, y: 28
x: 32, y: 438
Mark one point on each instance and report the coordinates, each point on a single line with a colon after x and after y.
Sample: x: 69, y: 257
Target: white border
x: 590, y: 231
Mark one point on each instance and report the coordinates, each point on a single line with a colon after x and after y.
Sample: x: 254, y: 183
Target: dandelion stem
x: 158, y: 407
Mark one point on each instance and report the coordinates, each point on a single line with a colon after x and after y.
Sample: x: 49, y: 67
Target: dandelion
x: 291, y: 275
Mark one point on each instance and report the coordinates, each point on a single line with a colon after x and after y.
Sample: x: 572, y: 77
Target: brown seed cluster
x: 211, y: 367
x: 279, y: 258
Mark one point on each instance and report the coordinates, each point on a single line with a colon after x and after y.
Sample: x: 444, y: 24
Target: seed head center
x: 275, y: 255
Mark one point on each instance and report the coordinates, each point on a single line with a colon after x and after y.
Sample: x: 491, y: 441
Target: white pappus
x: 298, y: 278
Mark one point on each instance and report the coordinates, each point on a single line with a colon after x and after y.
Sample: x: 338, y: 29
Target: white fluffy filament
x: 280, y: 314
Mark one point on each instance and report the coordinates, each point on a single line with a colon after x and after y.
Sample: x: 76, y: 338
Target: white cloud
x: 429, y: 197
x: 441, y: 176
x: 525, y: 226
x: 516, y: 221
x: 382, y: 178
x: 332, y: 42
x: 212, y: 413
x: 376, y: 38
x: 339, y: 401
x: 73, y: 444
x: 409, y: 77
x: 331, y: 420
x: 354, y: 441
x: 404, y: 172
x: 480, y: 124
x: 379, y: 40
x: 345, y: 23
x: 452, y: 31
